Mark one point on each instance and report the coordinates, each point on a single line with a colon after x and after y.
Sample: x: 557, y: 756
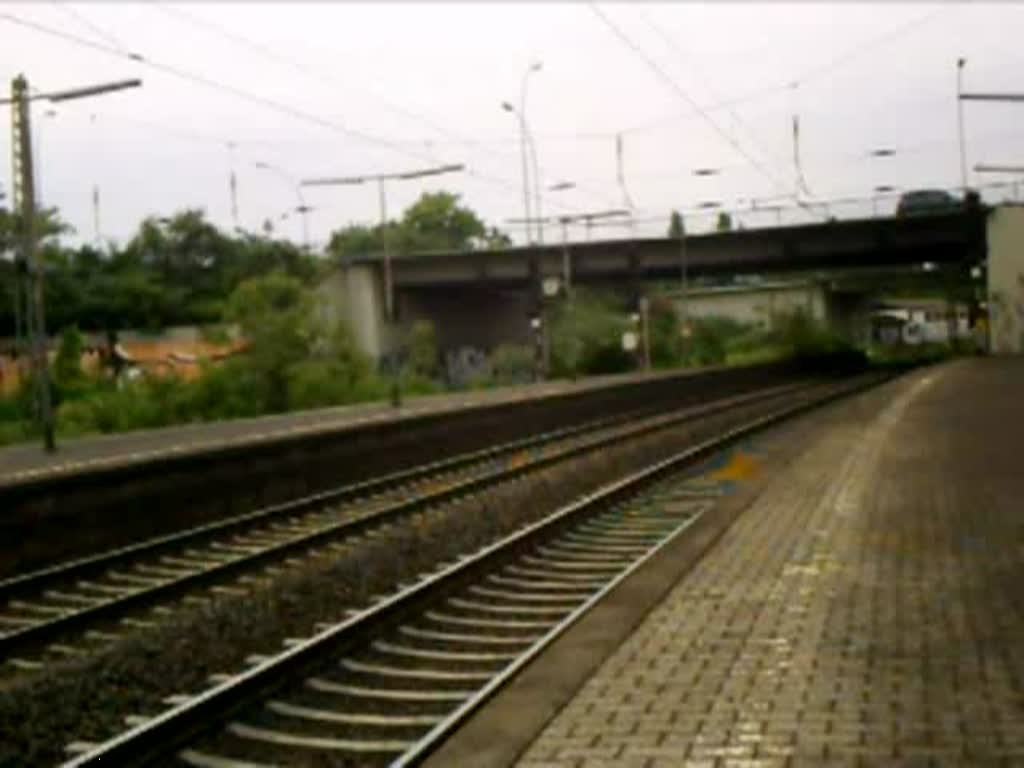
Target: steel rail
x: 155, y: 738
x: 35, y: 635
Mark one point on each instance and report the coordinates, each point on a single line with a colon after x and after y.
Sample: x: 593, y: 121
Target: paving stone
x: 866, y: 610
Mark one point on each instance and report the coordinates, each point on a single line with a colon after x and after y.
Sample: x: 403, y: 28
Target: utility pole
x: 233, y: 184
x: 684, y: 287
x: 96, y: 213
x: 24, y: 202
x: 389, y: 298
x: 960, y: 122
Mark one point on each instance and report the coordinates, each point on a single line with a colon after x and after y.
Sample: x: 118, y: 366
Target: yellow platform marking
x: 741, y: 466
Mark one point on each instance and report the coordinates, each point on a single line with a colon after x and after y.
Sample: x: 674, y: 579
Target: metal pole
x: 566, y: 259
x: 96, y: 213
x: 960, y: 123
x: 644, y: 330
x: 525, y: 176
x: 536, y: 186
x: 389, y: 300
x: 25, y: 195
x: 684, y: 285
x: 233, y: 184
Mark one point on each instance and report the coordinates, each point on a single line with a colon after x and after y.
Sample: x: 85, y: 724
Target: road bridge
x: 483, y: 298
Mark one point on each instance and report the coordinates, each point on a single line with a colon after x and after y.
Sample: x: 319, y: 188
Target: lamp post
x: 301, y: 208
x: 960, y: 122
x: 24, y: 202
x: 524, y: 137
x: 389, y: 300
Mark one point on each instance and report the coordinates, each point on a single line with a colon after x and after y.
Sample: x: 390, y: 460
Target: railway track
x: 387, y: 685
x: 81, y: 607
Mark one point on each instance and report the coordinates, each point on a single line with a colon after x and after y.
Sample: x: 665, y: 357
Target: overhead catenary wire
x: 679, y: 91
x: 739, y: 121
x: 273, y: 104
x: 861, y: 48
x: 324, y: 77
x: 82, y: 19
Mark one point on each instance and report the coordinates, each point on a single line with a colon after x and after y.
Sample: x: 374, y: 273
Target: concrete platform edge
x: 500, y: 732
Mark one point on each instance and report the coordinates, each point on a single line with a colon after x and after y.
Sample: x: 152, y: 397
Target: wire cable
x: 241, y: 93
x: 678, y: 90
x: 691, y: 60
x: 324, y: 77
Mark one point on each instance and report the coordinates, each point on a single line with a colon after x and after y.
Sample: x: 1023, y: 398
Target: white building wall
x: 760, y: 305
x: 1005, y: 235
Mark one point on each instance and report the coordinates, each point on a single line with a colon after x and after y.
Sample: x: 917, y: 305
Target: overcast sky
x: 348, y: 88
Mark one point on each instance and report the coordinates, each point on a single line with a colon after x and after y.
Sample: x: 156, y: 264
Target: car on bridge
x: 925, y: 201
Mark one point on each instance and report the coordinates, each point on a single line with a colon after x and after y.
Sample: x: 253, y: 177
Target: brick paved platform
x: 867, y: 608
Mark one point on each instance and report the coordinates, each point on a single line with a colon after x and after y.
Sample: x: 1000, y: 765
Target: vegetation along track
x: 83, y: 606
x: 388, y: 684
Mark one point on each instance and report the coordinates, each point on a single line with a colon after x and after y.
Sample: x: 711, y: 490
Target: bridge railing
x: 779, y: 212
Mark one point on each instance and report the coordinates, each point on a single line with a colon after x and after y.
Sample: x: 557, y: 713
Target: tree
x: 355, y: 240
x: 275, y: 316
x: 675, y: 226
x: 586, y: 336
x: 434, y: 222
x: 437, y: 222
x: 724, y: 223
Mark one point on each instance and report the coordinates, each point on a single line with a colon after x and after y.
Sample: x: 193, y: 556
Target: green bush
x: 512, y: 364
x: 586, y: 336
x: 817, y: 350
x: 423, y: 353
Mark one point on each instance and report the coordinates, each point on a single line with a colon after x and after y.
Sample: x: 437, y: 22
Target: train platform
x: 863, y: 606
x: 28, y: 461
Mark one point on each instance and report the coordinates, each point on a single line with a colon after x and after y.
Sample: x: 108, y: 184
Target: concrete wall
x: 353, y: 295
x: 481, y: 318
x: 760, y: 305
x: 1006, y: 280
x: 848, y: 313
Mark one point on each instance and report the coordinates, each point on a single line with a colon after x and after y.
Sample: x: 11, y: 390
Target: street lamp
x: 389, y: 300
x: 960, y: 122
x: 301, y: 207
x: 524, y: 136
x: 25, y: 203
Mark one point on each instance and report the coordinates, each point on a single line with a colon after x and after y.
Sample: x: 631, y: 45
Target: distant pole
x: 233, y: 183
x: 536, y: 188
x: 96, y: 213
x: 25, y: 203
x: 526, y: 179
x: 534, y: 67
x: 389, y: 297
x: 645, y: 331
x: 684, y: 285
x: 960, y: 123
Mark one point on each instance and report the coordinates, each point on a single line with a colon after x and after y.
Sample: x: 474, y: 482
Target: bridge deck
x: 865, y: 609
